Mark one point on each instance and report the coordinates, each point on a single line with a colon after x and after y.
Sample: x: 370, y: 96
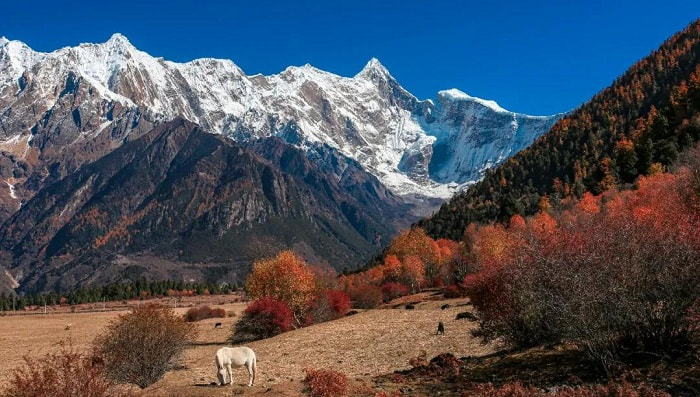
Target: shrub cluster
x: 366, y: 296
x: 204, y: 312
x: 262, y: 319
x: 393, y: 290
x: 413, y: 261
x: 325, y: 383
x: 141, y: 346
x: 65, y: 373
x: 621, y: 271
x: 329, y: 305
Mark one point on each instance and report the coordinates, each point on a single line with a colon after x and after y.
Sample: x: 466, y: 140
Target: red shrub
x: 366, y: 296
x: 204, y: 312
x: 197, y: 313
x: 277, y: 310
x: 339, y: 302
x: 393, y: 290
x: 66, y: 373
x: 325, y: 383
x: 218, y: 312
x: 330, y: 305
x: 262, y: 319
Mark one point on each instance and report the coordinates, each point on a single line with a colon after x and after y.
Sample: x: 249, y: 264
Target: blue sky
x: 532, y: 57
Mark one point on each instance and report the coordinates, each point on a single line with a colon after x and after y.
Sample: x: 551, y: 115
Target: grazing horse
x: 234, y: 357
x: 217, y: 325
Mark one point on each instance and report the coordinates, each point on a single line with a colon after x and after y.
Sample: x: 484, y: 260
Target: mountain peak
x: 118, y: 38
x: 457, y: 95
x: 119, y: 41
x: 3, y: 41
x: 374, y: 67
x: 306, y: 71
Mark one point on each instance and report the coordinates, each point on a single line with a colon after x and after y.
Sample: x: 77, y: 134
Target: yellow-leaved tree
x: 285, y: 277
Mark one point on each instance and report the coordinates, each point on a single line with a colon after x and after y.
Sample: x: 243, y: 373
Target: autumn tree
x: 285, y: 277
x: 413, y: 272
x: 414, y: 242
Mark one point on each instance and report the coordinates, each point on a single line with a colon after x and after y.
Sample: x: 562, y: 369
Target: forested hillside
x: 637, y: 126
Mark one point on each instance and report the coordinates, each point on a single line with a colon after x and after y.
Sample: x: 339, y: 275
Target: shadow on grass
x: 222, y: 344
x: 210, y: 385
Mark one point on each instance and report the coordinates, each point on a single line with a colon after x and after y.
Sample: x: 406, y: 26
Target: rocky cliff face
x: 473, y: 135
x: 177, y: 196
x: 73, y: 105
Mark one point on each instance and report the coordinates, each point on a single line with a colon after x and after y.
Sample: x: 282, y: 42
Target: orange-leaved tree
x: 285, y: 277
x: 414, y: 242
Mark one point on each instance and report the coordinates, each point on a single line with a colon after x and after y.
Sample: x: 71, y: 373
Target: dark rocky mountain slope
x: 178, y: 202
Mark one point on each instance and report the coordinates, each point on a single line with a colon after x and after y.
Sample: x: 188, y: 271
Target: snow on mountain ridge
x: 368, y: 117
x: 462, y: 96
x: 373, y: 65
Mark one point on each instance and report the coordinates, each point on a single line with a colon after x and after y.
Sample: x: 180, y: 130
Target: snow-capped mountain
x: 415, y: 147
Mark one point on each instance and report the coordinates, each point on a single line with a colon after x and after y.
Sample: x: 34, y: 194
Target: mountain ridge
x: 368, y: 117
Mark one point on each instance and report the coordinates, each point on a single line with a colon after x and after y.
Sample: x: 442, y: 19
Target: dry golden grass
x: 361, y: 346
x: 39, y: 334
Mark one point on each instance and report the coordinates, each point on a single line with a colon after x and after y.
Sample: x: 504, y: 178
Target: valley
x: 362, y: 346
x: 380, y: 244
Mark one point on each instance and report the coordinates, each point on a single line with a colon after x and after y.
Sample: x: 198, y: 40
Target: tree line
x: 140, y: 288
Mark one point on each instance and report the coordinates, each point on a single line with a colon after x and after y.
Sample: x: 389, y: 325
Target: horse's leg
x: 249, y: 367
x: 220, y: 372
x: 255, y: 368
x: 230, y: 374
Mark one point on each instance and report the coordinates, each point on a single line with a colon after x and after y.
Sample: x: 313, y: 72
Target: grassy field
x: 362, y: 346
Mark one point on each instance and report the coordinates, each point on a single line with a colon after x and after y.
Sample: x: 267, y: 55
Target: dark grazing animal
x: 217, y: 325
x: 441, y: 329
x: 466, y: 315
x: 410, y: 306
x: 445, y: 306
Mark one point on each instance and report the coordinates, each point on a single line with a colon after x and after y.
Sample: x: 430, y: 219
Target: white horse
x: 228, y: 357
